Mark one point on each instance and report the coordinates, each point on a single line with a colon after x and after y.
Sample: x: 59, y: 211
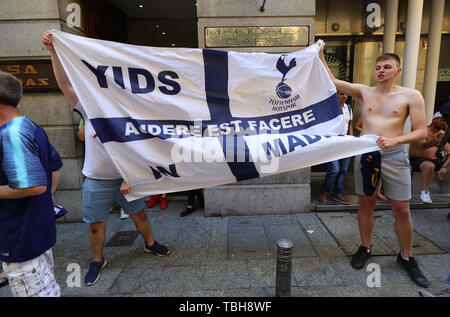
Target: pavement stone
x: 236, y: 257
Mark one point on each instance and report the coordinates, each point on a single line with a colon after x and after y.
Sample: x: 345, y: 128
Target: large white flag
x: 174, y: 119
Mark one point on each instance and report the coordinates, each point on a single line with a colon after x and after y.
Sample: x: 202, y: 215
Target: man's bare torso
x: 384, y: 114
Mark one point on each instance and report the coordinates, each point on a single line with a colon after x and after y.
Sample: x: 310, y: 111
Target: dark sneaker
x: 360, y: 257
x: 443, y: 293
x: 4, y: 281
x: 93, y: 274
x: 187, y: 212
x: 413, y: 270
x: 157, y: 249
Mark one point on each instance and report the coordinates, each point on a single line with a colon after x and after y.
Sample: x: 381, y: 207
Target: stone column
x: 432, y: 63
x: 283, y: 193
x: 412, y: 44
x: 390, y: 26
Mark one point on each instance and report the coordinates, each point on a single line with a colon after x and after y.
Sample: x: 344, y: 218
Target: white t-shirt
x: 97, y: 163
x: 347, y: 111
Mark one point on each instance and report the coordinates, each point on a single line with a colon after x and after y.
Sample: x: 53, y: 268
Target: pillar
x: 390, y: 26
x: 411, y: 54
x: 432, y: 63
x: 412, y: 43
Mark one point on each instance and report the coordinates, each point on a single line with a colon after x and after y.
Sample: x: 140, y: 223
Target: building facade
x: 355, y: 32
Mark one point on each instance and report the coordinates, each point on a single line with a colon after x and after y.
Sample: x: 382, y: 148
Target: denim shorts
x: 99, y: 196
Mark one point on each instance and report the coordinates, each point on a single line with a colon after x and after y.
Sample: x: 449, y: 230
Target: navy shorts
x: 416, y: 161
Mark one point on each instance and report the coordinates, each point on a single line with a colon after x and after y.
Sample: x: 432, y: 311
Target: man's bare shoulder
x: 409, y: 92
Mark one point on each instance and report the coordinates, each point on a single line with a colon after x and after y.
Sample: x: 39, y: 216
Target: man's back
x: 28, y: 225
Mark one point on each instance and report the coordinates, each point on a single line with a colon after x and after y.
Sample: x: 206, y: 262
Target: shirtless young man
x: 385, y: 109
x: 423, y: 156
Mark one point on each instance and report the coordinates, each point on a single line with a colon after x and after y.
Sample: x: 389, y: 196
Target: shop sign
x: 34, y: 75
x: 371, y: 16
x: 444, y: 75
x: 257, y: 36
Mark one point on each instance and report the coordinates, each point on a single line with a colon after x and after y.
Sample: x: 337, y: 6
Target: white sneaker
x: 123, y: 215
x: 425, y: 197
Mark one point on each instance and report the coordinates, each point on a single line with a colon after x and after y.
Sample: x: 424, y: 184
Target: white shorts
x: 33, y: 278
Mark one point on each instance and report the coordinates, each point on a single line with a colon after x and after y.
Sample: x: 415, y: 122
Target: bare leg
x: 365, y: 219
x: 403, y: 226
x: 426, y: 175
x: 97, y: 232
x: 143, y: 226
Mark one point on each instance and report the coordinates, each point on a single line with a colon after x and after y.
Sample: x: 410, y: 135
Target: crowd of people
x: 26, y: 185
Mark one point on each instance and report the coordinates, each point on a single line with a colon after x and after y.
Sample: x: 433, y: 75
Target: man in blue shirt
x: 27, y: 220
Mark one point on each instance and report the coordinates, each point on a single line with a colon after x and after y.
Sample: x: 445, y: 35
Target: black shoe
x: 93, y: 274
x: 413, y: 270
x: 158, y: 249
x: 442, y: 293
x: 4, y: 281
x: 188, y: 211
x: 360, y: 257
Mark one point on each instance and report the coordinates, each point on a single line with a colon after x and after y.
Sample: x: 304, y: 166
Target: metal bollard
x: 284, y: 268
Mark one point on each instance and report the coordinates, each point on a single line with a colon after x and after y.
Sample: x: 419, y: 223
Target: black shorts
x: 416, y: 161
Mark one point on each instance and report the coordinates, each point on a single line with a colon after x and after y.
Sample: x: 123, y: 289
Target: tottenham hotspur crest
x: 283, y: 90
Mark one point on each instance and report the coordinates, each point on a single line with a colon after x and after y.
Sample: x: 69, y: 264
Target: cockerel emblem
x: 283, y: 90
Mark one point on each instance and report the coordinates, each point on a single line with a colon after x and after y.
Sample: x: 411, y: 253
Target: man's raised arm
x: 347, y: 88
x: 60, y: 74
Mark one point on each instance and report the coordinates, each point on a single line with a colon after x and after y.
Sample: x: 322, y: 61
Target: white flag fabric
x: 174, y: 119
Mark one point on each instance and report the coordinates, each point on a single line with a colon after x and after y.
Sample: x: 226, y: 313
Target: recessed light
x: 141, y: 6
x: 173, y: 44
x: 163, y: 33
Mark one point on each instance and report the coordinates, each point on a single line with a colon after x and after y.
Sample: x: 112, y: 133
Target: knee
x: 139, y: 216
x: 334, y: 170
x: 97, y: 227
x: 427, y: 167
x: 402, y: 213
x: 367, y: 204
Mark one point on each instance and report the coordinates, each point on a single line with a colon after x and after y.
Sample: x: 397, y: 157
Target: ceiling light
x: 163, y: 33
x: 141, y: 6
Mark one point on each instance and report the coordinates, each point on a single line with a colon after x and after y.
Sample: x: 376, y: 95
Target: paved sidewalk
x: 236, y: 256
